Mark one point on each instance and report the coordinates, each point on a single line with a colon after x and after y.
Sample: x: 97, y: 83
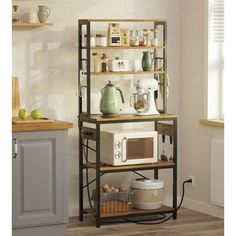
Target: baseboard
x: 205, y: 208
x: 187, y: 203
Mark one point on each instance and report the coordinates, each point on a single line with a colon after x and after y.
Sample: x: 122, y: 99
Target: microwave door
x: 139, y: 148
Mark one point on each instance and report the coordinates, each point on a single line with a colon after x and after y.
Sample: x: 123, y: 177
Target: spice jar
x: 155, y: 38
x: 104, y: 63
x: 134, y: 40
x: 145, y: 37
x: 101, y: 40
x: 92, y: 40
x: 141, y: 37
x: 95, y: 62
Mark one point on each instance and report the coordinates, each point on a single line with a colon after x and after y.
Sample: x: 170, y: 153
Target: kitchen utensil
x: 43, y: 13
x: 147, y: 194
x: 143, y: 87
x: 15, y: 96
x: 109, y: 103
x: 147, y: 61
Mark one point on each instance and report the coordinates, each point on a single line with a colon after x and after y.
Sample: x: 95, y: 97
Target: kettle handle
x: 121, y: 94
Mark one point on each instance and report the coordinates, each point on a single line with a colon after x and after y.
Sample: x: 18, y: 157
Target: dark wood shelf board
x: 109, y: 168
x: 132, y: 212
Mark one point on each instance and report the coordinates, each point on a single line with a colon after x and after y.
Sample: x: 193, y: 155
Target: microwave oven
x: 128, y: 147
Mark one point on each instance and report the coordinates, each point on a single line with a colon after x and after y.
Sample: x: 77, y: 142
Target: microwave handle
x: 124, y: 149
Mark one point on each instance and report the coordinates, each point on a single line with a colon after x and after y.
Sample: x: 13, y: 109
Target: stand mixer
x: 143, y: 101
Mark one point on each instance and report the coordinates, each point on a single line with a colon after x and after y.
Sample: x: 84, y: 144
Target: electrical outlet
x: 193, y: 180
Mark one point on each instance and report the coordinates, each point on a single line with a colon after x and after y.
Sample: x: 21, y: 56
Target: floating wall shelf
x: 30, y: 25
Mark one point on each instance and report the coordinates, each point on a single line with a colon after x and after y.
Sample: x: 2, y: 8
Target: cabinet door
x: 37, y: 178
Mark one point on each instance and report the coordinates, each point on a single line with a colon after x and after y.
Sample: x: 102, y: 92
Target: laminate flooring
x: 189, y: 222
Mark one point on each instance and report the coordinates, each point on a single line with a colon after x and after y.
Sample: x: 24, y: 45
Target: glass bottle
x: 145, y: 37
x: 134, y: 40
x: 95, y: 62
x: 104, y: 63
x: 155, y: 38
x: 15, y: 16
x: 141, y: 37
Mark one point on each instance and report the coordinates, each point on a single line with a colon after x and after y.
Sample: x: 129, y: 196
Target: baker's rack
x: 93, y: 134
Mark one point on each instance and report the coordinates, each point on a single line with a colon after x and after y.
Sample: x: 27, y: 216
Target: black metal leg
x: 98, y: 220
x: 80, y: 174
x: 175, y: 170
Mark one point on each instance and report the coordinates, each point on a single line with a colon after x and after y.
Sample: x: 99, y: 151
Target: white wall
x: 195, y: 138
x: 46, y: 62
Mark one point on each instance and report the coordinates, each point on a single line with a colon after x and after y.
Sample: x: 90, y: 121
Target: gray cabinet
x: 39, y: 168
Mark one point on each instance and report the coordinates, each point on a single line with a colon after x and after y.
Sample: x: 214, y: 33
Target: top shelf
x: 124, y: 20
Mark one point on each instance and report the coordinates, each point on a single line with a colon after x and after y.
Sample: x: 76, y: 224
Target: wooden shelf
x: 124, y: 20
x: 109, y: 168
x: 125, y: 47
x: 212, y: 122
x: 132, y: 212
x: 125, y: 118
x: 30, y: 25
x: 128, y: 73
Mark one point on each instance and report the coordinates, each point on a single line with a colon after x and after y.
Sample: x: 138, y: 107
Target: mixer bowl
x: 139, y: 101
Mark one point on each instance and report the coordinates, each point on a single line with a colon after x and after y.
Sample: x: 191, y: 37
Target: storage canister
x: 101, y: 40
x: 147, y: 194
x: 92, y: 40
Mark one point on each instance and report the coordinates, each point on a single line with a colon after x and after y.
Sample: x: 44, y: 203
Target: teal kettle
x: 110, y: 100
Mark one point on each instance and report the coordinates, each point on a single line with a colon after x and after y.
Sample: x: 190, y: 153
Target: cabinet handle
x: 15, y: 148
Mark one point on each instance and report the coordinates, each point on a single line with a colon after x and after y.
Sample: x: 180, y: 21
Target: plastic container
x: 147, y: 194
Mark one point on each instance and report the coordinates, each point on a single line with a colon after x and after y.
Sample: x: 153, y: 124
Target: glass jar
x: 95, y: 62
x: 104, y: 63
x: 155, y: 38
x: 141, y: 37
x: 15, y: 15
x: 92, y: 40
x: 101, y: 40
x: 145, y: 37
x: 134, y: 40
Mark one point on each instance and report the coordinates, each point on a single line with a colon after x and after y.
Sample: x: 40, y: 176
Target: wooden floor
x: 188, y: 223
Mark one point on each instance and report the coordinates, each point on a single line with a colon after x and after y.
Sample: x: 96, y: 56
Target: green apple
x: 23, y: 114
x: 36, y: 114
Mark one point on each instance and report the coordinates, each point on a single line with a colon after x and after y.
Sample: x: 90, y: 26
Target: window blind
x: 216, y: 20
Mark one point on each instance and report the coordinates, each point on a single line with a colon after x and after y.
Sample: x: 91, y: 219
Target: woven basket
x: 113, y: 206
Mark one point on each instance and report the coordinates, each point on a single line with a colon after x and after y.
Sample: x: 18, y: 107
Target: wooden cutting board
x: 15, y: 96
x: 17, y: 120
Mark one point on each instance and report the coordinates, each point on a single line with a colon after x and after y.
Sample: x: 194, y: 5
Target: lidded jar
x: 101, y: 40
x: 104, y: 63
x: 92, y: 40
x: 95, y: 62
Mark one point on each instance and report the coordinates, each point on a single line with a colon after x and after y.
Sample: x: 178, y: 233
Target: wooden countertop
x: 55, y: 125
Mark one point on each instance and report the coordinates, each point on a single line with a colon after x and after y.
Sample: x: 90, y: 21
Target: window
x: 215, y: 108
